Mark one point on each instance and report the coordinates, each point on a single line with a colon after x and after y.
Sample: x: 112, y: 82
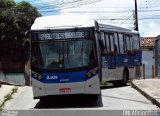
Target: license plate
x: 63, y: 90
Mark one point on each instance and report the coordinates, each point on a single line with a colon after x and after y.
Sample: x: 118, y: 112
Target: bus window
x: 131, y: 42
x: 124, y: 43
x: 78, y: 53
x: 107, y: 42
x: 128, y: 45
x: 136, y: 44
x: 52, y: 54
x: 102, y: 43
x: 102, y: 37
x: 36, y: 56
x: 116, y: 48
x: 121, y: 43
x: 111, y: 38
x: 102, y: 46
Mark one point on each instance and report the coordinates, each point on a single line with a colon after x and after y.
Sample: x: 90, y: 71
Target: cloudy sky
x: 115, y: 12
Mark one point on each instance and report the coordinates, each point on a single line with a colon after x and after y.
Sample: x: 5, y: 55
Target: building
x: 148, y: 42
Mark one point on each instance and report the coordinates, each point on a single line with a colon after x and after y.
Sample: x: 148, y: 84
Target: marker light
x: 92, y: 72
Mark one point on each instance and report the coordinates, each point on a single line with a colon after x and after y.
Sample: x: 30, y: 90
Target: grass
x: 106, y: 84
x: 8, y: 97
x: 14, y: 90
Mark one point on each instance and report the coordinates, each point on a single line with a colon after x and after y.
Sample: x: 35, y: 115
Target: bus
x: 120, y: 53
x: 71, y: 55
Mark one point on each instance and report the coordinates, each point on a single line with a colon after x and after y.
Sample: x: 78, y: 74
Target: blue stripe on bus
x: 122, y: 60
x: 64, y: 77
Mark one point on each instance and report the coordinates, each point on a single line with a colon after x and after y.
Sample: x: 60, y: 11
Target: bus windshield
x: 67, y: 54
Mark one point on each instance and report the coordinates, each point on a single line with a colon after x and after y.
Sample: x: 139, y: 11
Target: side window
x: 102, y: 43
x: 36, y: 55
x: 131, y: 42
x: 107, y: 42
x: 116, y: 45
x: 136, y: 43
x: 102, y: 37
x: 124, y: 43
x: 121, y: 44
x: 128, y: 46
x: 111, y: 39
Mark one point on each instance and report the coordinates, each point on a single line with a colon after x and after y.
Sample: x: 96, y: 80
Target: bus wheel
x: 125, y: 77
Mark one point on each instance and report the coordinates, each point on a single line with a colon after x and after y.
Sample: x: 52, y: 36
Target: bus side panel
x: 92, y: 85
x: 38, y: 88
x: 138, y: 58
x: 132, y: 73
x: 119, y: 60
x: 115, y: 74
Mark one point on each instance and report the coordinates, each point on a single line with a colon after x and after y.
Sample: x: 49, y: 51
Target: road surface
x: 112, y: 98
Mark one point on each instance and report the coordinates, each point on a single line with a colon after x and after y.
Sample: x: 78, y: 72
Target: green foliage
x: 8, y: 97
x: 15, y: 20
x: 7, y: 3
x: 106, y: 84
x: 14, y: 90
x: 26, y: 15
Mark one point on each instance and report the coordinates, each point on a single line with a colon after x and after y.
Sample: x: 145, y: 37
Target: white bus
x: 71, y: 54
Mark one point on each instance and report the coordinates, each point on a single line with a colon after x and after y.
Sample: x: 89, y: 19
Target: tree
x: 25, y: 16
x: 6, y: 18
x: 15, y: 20
x: 7, y: 3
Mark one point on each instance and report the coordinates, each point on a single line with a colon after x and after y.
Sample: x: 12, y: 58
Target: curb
x: 152, y: 99
x: 8, y: 83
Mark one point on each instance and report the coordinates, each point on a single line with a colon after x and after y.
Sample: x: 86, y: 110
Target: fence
x: 13, y: 78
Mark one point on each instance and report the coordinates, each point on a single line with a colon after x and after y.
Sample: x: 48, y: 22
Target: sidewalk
x: 150, y: 88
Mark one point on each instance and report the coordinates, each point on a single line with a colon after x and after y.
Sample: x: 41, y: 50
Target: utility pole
x: 136, y: 17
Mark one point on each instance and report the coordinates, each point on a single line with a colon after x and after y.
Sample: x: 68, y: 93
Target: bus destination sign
x: 61, y: 35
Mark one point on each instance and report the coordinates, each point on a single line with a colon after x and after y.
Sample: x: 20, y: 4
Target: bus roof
x: 73, y: 21
x: 62, y: 21
x: 111, y: 28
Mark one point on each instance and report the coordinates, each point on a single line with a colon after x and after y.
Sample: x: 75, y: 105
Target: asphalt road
x: 112, y: 98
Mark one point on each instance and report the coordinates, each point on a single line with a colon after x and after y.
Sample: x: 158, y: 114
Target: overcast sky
x: 115, y: 12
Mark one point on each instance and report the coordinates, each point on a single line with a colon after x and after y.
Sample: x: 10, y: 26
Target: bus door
x: 104, y: 58
x: 112, y: 50
x: 109, y: 49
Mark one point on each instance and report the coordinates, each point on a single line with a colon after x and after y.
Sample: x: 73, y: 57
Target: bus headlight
x: 36, y: 75
x: 92, y: 72
x: 89, y: 74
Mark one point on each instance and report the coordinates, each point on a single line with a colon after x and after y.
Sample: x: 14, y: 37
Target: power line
x: 126, y: 19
